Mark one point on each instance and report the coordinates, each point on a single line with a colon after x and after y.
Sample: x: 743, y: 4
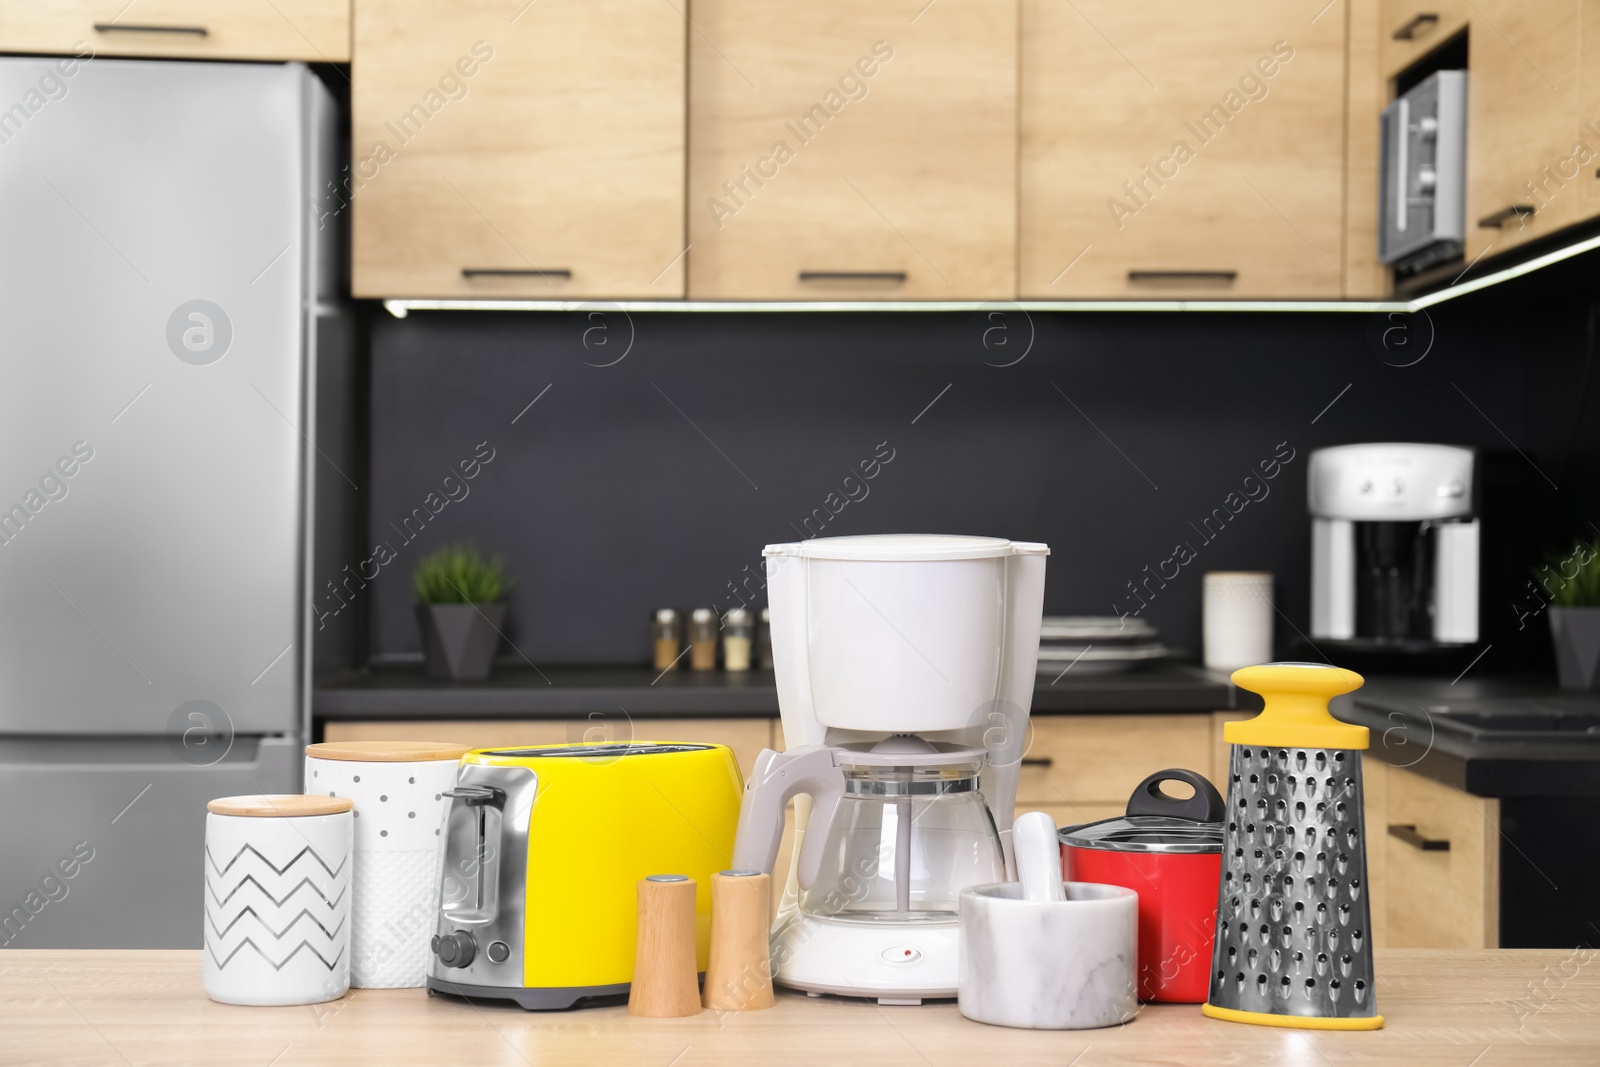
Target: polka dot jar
x: 397, y: 788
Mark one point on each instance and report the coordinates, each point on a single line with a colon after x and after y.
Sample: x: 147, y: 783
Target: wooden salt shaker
x: 665, y: 982
x: 739, y: 977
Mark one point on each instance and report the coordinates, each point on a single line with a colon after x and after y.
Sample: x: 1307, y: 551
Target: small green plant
x: 460, y: 574
x: 1573, y: 579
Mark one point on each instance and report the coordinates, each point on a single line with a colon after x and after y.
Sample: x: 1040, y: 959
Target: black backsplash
x: 662, y: 451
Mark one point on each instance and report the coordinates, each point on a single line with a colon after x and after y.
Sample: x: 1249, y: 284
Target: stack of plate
x: 1093, y: 644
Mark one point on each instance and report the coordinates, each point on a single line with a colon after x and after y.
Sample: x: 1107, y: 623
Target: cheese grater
x: 1294, y: 933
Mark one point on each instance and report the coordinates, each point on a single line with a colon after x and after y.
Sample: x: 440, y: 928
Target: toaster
x: 542, y: 852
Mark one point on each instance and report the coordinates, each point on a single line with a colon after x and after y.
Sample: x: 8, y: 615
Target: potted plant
x: 461, y: 607
x: 1573, y: 582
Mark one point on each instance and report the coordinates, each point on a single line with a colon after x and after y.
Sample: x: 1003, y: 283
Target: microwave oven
x: 1422, y: 173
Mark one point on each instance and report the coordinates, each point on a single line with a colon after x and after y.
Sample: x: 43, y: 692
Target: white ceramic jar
x: 277, y: 899
x: 1237, y: 619
x: 398, y: 790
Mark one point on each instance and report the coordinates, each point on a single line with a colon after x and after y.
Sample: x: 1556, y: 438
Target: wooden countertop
x: 1445, y: 1008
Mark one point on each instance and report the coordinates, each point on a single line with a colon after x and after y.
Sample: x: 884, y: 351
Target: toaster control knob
x: 455, y: 950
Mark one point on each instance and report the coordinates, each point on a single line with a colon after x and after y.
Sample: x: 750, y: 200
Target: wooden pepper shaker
x: 665, y: 982
x: 739, y: 977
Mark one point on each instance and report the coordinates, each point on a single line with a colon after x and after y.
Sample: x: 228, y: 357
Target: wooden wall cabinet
x: 848, y: 151
x: 1410, y: 29
x: 311, y: 30
x: 508, y: 149
x: 1523, y: 178
x: 1589, y: 105
x: 1180, y: 150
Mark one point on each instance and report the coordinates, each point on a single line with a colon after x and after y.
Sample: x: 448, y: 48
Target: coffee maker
x: 1394, y: 546
x: 905, y: 669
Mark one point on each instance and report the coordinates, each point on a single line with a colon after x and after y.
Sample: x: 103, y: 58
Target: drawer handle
x: 1422, y: 22
x: 1038, y: 761
x: 134, y: 27
x: 1226, y: 277
x: 532, y: 272
x: 898, y: 277
x: 1506, y: 214
x: 1408, y: 834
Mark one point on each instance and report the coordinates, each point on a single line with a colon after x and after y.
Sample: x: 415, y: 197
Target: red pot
x: 1169, y: 852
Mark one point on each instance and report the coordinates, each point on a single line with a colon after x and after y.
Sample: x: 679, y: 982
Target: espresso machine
x: 1394, y: 546
x: 905, y: 670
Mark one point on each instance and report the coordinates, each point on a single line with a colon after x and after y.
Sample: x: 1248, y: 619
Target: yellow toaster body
x: 543, y: 850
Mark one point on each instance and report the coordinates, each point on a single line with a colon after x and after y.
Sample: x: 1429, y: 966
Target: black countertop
x: 400, y: 691
x: 1445, y: 731
x: 1416, y: 723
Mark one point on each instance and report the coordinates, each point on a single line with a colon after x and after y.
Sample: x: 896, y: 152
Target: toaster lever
x: 476, y: 794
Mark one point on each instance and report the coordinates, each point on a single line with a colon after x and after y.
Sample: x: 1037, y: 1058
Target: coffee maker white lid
x: 907, y: 547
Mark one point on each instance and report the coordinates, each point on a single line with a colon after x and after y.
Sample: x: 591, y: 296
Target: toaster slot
x: 472, y: 870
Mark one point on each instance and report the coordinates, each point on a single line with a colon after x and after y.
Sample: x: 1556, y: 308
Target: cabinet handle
x: 1411, y: 30
x: 1038, y: 761
x: 1506, y: 214
x: 532, y: 272
x: 1227, y: 277
x: 1408, y: 833
x: 896, y: 276
x: 134, y: 27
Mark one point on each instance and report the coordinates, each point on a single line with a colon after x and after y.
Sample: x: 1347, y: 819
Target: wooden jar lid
x: 279, y: 806
x: 387, y: 751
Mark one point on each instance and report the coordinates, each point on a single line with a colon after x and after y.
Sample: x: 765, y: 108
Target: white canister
x: 1049, y: 965
x: 398, y: 789
x: 1237, y: 619
x: 277, y: 899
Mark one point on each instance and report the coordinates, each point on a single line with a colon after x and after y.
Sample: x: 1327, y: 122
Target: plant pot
x: 1576, y: 635
x: 460, y: 639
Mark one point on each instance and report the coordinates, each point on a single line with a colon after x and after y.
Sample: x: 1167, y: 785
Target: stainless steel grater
x: 1293, y: 942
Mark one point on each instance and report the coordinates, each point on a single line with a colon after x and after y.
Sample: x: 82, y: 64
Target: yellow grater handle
x: 1296, y: 711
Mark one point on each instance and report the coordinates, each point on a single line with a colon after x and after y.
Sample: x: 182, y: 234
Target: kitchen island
x: 1445, y: 1008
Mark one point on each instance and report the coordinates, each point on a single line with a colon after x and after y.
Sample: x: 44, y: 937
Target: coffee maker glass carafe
x: 902, y: 844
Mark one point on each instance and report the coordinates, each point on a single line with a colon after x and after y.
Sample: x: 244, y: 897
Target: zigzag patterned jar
x: 398, y: 788
x: 277, y: 899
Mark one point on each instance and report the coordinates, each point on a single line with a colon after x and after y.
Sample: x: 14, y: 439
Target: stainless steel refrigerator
x: 175, y: 472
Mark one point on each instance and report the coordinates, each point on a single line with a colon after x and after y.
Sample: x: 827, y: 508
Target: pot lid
x: 1156, y: 822
x: 1145, y: 833
x: 907, y: 548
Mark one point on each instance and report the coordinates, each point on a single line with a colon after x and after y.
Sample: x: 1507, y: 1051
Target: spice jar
x: 738, y: 638
x: 703, y: 640
x: 764, y: 640
x: 669, y: 639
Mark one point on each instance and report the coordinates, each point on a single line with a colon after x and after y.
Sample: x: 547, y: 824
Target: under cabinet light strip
x: 399, y: 308
x: 1450, y: 292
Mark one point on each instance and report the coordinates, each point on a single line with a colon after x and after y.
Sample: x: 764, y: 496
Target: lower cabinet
x: 1435, y: 854
x: 1084, y: 767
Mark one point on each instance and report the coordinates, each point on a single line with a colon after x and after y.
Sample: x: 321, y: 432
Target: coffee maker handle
x: 776, y: 779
